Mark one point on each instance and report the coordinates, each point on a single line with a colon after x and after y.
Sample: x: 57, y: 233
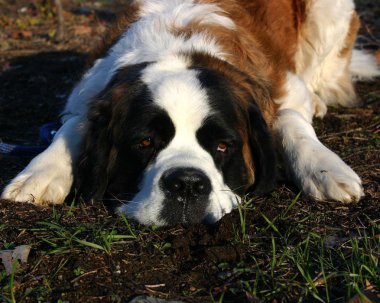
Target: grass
x: 311, y: 269
x: 286, y: 258
x: 63, y: 239
x: 290, y: 249
x: 56, y: 238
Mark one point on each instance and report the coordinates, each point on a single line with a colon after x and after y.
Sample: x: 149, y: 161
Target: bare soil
x: 182, y: 263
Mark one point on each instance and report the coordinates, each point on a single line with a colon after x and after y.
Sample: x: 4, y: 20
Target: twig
x: 85, y: 274
x: 59, y: 34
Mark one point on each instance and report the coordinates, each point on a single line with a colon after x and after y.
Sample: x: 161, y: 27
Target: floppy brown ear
x: 99, y: 155
x: 262, y: 151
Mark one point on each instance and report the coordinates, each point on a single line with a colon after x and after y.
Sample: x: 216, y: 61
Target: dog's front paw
x: 331, y: 179
x: 40, y: 183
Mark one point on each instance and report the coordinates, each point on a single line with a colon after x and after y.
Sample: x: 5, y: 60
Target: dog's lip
x: 185, y: 212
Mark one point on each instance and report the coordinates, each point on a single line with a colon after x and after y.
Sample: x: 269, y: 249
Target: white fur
x: 48, y: 177
x: 177, y: 90
x: 323, y: 78
x: 297, y: 98
x: 184, y: 12
x: 322, y: 39
x: 318, y: 60
x: 363, y: 65
x: 148, y: 40
x: 318, y: 171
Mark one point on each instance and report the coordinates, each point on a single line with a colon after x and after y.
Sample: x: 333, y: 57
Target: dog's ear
x: 106, y: 115
x: 262, y: 151
x: 98, y: 152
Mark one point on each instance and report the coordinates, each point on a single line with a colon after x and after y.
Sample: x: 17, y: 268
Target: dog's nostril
x: 186, y: 182
x: 174, y: 184
x: 202, y: 187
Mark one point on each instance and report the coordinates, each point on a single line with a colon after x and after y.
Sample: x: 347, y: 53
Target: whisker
x: 122, y: 201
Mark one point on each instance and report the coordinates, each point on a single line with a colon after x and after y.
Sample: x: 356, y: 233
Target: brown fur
x: 347, y: 95
x: 351, y: 36
x: 306, y: 32
x: 299, y: 13
x: 253, y: 48
x: 247, y: 155
x: 245, y: 88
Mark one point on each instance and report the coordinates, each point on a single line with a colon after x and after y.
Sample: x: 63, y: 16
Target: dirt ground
x: 192, y: 264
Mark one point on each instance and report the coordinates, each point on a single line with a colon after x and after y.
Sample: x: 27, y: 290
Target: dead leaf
x: 26, y: 34
x: 6, y: 257
x: 369, y: 286
x: 82, y: 30
x: 21, y: 253
x: 366, y: 297
x: 21, y: 34
x: 10, y: 256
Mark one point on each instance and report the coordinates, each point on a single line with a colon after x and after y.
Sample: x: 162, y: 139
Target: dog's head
x: 177, y: 141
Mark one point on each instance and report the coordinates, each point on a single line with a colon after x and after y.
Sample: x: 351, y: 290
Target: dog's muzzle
x: 187, y: 192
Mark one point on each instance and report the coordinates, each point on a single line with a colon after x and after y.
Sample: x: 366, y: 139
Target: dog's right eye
x: 146, y: 142
x: 222, y: 147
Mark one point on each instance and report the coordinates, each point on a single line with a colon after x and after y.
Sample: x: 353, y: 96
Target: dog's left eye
x: 146, y: 142
x: 222, y: 147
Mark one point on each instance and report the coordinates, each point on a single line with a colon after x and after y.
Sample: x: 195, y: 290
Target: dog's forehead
x: 176, y: 89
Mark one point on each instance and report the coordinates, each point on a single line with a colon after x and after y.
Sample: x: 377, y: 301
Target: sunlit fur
x: 281, y: 62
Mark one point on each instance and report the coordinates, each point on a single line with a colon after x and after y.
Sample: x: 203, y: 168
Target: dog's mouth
x: 188, y: 212
x: 190, y: 191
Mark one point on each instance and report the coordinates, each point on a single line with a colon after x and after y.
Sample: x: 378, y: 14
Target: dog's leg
x: 324, y: 57
x: 318, y: 171
x: 49, y: 176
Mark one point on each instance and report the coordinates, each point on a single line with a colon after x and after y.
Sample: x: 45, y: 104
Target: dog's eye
x: 146, y: 142
x: 222, y: 147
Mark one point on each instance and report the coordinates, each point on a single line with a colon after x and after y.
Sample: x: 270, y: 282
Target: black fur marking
x: 263, y: 152
x: 114, y: 160
x: 222, y: 127
x: 120, y: 117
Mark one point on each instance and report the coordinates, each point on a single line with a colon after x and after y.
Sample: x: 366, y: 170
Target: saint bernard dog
x: 189, y: 102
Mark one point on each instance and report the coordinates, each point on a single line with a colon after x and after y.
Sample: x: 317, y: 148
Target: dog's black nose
x: 186, y: 182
